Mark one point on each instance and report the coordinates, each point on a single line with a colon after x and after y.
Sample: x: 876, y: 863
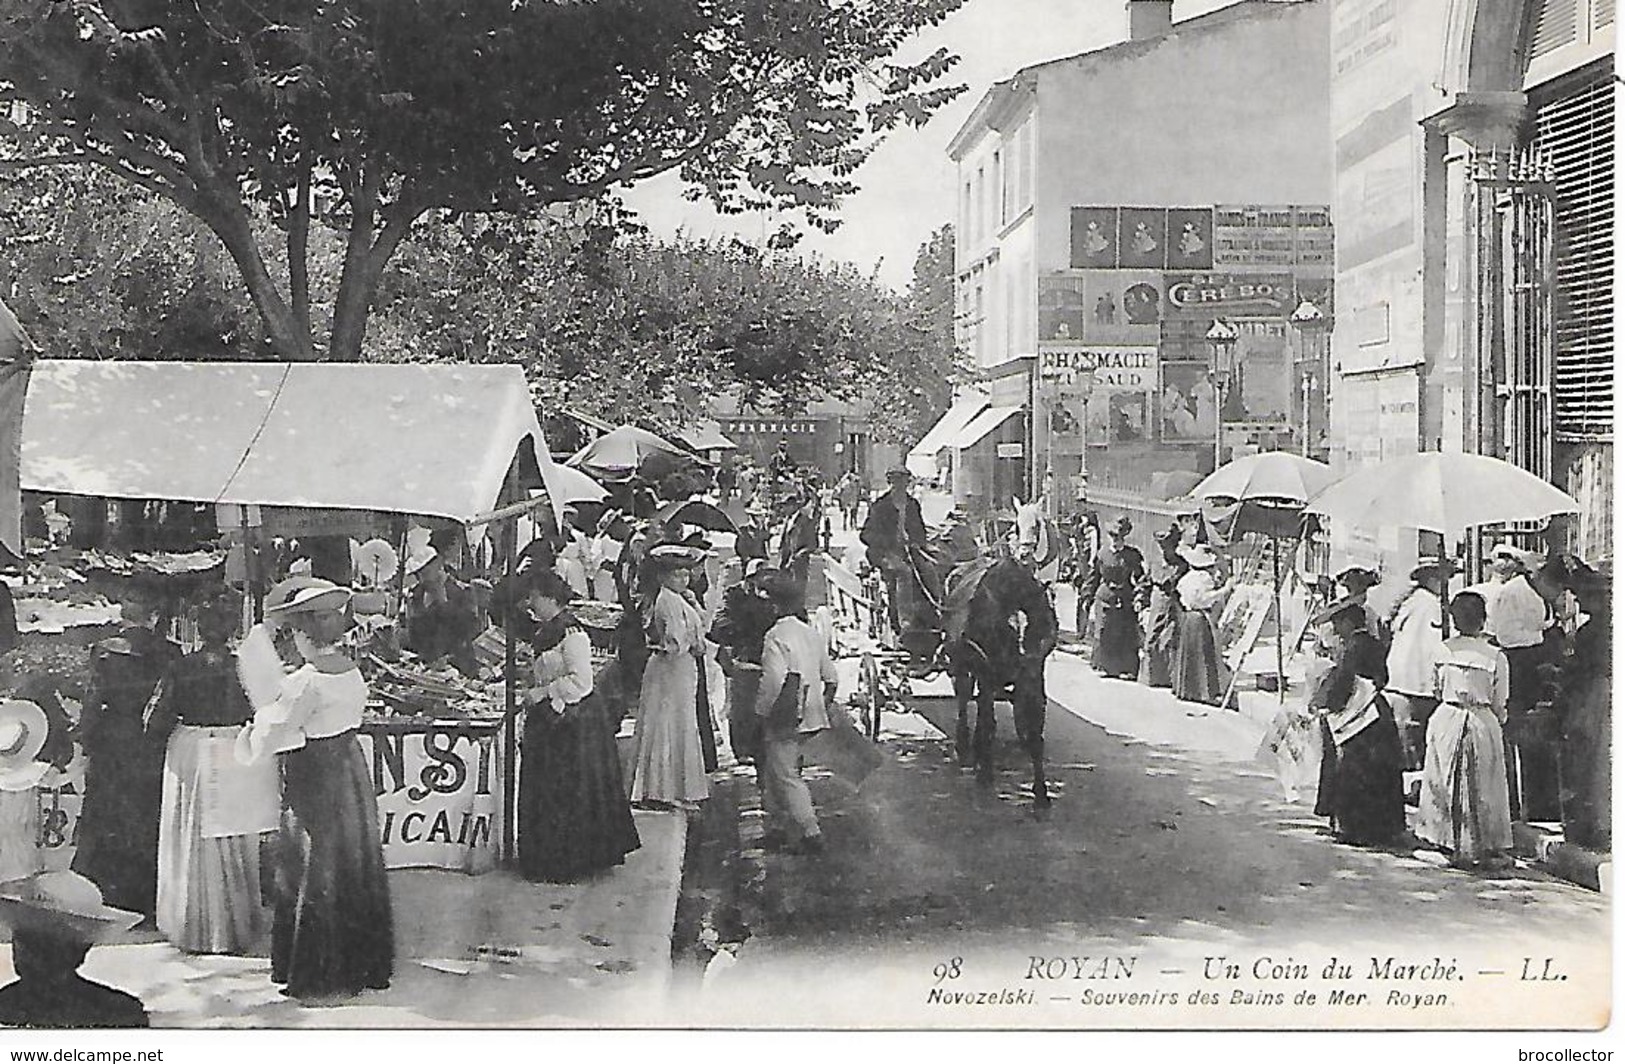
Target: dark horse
x: 993, y: 627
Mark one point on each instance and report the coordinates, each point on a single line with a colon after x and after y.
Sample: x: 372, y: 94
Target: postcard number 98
x: 948, y: 969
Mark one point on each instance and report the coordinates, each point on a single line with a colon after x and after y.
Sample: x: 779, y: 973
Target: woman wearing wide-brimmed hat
x: 55, y: 918
x: 1199, y: 673
x: 332, y: 933
x: 670, y: 768
x: 214, y: 812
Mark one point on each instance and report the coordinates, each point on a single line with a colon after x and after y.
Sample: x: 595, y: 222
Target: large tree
x: 365, y: 115
x: 914, y: 382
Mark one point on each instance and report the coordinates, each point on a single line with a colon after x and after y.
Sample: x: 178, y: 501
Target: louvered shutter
x: 1574, y: 123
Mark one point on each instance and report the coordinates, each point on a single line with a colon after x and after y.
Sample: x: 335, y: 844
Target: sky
x: 907, y: 185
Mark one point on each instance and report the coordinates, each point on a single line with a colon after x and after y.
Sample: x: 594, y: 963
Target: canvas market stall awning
x: 922, y: 457
x: 981, y: 425
x: 431, y: 440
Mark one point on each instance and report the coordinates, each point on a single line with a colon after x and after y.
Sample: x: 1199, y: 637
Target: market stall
x: 320, y: 453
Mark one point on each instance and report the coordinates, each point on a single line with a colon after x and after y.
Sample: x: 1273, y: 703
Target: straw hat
x: 62, y: 904
x: 676, y: 555
x: 23, y: 730
x: 314, y: 597
x: 1122, y: 526
x: 1198, y: 556
x: 1432, y: 564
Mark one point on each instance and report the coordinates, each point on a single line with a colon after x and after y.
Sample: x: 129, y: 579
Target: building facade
x: 1474, y: 156
x: 1112, y: 207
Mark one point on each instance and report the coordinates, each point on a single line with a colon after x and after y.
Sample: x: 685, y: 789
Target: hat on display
x: 300, y: 567
x: 23, y: 730
x: 1198, y: 556
x: 62, y: 904
x: 314, y: 597
x: 1432, y: 563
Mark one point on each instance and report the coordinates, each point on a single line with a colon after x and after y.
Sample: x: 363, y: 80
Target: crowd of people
x: 1154, y: 621
x: 1493, y: 699
x: 233, y: 815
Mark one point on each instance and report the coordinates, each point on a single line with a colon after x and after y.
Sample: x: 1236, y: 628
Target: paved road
x: 1166, y: 847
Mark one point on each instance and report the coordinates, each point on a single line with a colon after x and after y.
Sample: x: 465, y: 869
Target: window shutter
x: 1574, y: 126
x: 1557, y: 25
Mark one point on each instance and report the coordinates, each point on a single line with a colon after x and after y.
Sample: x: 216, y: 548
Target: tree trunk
x: 292, y: 342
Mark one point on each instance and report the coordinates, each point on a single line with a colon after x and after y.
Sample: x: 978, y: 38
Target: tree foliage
x: 364, y: 116
x: 97, y: 268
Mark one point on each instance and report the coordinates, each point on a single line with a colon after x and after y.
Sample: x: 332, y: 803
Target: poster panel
x: 1143, y: 238
x: 1206, y: 296
x: 1094, y: 238
x: 1100, y: 306
x: 1190, y: 238
x: 1188, y: 404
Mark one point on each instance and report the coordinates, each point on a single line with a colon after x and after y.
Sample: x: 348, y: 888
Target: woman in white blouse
x: 332, y: 931
x: 574, y: 817
x: 1465, y: 806
x: 1198, y: 672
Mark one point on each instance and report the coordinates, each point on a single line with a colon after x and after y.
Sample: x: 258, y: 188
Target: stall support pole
x: 509, y: 694
x: 1280, y: 657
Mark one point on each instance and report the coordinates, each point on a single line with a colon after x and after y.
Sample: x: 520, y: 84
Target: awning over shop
x: 922, y: 458
x: 981, y: 425
x: 433, y: 440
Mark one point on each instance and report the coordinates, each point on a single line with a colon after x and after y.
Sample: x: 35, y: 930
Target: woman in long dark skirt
x: 1359, y: 653
x: 1163, y: 615
x: 332, y: 931
x: 1115, y: 584
x: 1363, y: 793
x: 574, y: 816
x: 1198, y: 673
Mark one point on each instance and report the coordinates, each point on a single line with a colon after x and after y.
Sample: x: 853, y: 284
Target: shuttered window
x: 1558, y: 24
x: 1574, y: 123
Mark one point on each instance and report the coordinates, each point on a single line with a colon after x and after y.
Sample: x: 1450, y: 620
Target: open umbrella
x: 696, y: 512
x: 1273, y: 476
x: 628, y: 450
x: 1441, y: 492
x: 1264, y: 493
x: 567, y: 485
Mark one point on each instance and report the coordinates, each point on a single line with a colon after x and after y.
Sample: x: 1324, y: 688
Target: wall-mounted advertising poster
x: 1313, y: 236
x: 1099, y: 307
x: 1253, y: 236
x: 1124, y: 377
x: 1265, y: 374
x: 1190, y: 238
x: 1142, y: 238
x: 1094, y: 238
x: 1187, y: 403
x: 1221, y: 295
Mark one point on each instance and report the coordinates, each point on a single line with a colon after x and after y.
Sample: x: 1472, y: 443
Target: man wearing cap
x: 894, y: 526
x: 441, y: 620
x: 118, y: 820
x: 1418, y: 634
x: 740, y: 628
x: 1518, y: 619
x: 55, y: 918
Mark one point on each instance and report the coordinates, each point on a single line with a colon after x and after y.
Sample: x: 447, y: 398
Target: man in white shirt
x: 1518, y: 617
x: 793, y: 699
